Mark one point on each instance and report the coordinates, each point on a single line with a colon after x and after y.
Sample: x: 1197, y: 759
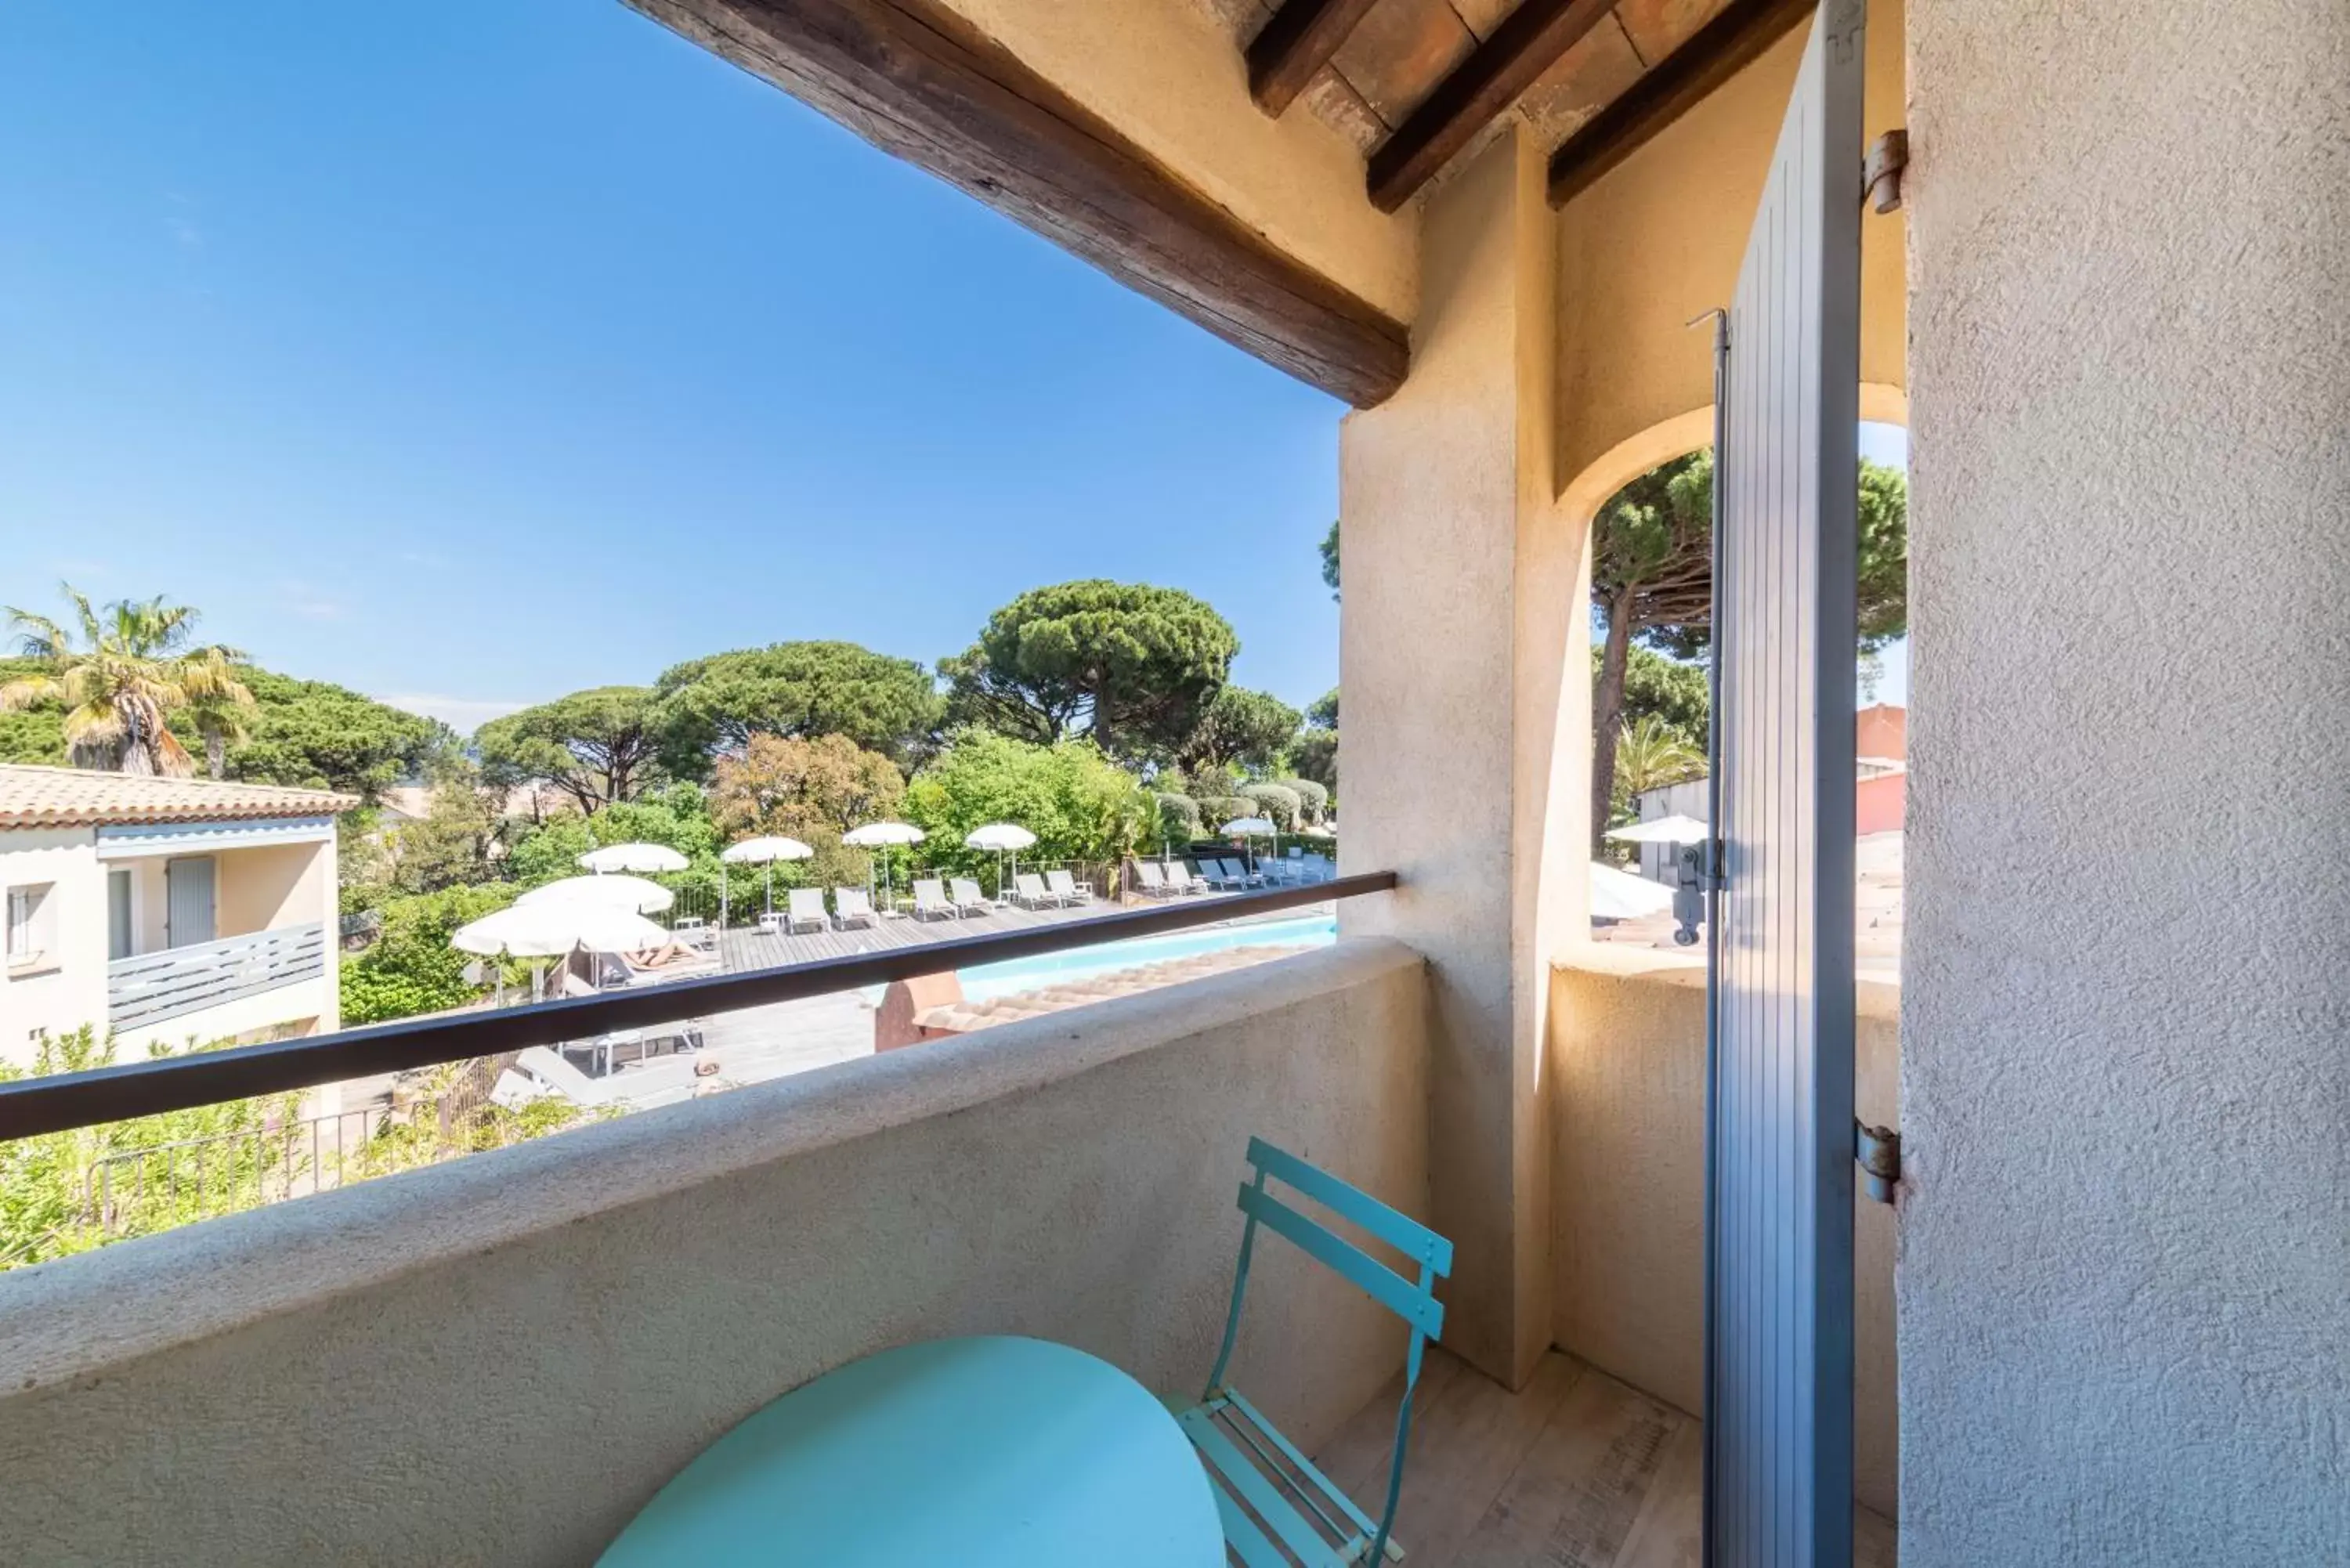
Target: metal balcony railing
x: 152, y: 988
x: 31, y: 1106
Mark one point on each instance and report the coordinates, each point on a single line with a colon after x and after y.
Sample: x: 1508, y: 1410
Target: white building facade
x: 170, y: 911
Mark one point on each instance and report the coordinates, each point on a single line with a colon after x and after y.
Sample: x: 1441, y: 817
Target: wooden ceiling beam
x: 1716, y: 52
x: 920, y: 83
x: 1298, y: 41
x: 1529, y: 41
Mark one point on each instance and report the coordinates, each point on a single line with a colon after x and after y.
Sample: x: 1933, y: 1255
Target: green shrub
x: 1278, y: 801
x: 1178, y: 817
x: 1218, y: 809
x: 1314, y: 799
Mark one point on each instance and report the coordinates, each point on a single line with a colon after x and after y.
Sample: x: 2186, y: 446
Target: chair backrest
x: 1028, y: 884
x: 930, y: 890
x: 966, y: 891
x: 851, y: 901
x: 1147, y: 872
x: 1412, y: 1300
x: 807, y: 903
x: 1060, y: 882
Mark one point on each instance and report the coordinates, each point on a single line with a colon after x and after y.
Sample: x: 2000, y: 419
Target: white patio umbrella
x: 765, y: 852
x: 1620, y: 896
x: 1254, y: 827
x: 1000, y: 837
x: 550, y: 930
x: 633, y: 857
x: 554, y: 930
x: 881, y: 836
x: 632, y: 894
x: 1674, y: 829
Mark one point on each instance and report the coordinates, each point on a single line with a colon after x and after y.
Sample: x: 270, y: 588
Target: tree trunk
x: 1098, y: 725
x: 1607, y: 715
x: 215, y: 755
x: 137, y: 756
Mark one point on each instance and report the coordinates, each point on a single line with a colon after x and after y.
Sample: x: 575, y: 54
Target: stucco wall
x: 267, y: 887
x: 1628, y: 1082
x: 1658, y: 239
x: 1460, y: 620
x: 1167, y: 75
x: 499, y: 1360
x: 2125, y: 1277
x: 72, y: 991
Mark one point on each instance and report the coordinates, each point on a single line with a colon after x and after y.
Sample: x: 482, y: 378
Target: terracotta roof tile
x: 78, y: 797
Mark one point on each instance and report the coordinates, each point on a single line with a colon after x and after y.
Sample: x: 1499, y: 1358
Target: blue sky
x: 468, y: 355
x: 471, y: 355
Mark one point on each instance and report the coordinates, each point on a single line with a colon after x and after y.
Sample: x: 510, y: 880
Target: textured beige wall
x: 267, y: 886
x: 1461, y: 618
x: 1627, y: 1084
x: 499, y: 1361
x: 1658, y: 239
x: 1167, y: 75
x: 2125, y: 1276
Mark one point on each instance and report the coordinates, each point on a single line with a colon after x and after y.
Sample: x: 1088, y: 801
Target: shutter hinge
x: 1697, y: 871
x: 1880, y: 172
x: 1878, y: 1150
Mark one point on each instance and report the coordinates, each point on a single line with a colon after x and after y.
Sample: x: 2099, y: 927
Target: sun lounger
x: 1029, y: 889
x: 968, y: 899
x: 1216, y: 875
x: 1238, y: 871
x: 1152, y: 882
x: 930, y: 898
x: 1067, y: 888
x: 549, y: 1071
x: 1186, y: 879
x: 805, y: 906
x: 851, y: 904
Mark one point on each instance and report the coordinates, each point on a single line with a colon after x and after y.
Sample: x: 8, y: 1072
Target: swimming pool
x: 992, y: 980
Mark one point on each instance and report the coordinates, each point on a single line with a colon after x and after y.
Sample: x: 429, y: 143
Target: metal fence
x: 138, y: 1190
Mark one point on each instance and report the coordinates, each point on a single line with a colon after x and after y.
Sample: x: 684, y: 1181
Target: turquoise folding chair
x: 1273, y: 1487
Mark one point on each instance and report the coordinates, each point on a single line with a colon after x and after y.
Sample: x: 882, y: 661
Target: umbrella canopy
x: 633, y: 895
x: 759, y: 851
x: 1245, y: 827
x: 552, y: 930
x: 999, y: 836
x: 633, y: 857
x: 881, y: 835
x: 1620, y: 896
x: 1675, y: 829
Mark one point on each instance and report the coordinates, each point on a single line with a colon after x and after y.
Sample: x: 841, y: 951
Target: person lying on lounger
x: 666, y: 957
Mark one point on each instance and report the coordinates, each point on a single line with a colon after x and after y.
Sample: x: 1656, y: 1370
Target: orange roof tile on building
x: 80, y: 797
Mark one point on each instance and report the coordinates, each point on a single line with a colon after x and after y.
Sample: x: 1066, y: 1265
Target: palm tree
x: 136, y: 665
x: 220, y: 719
x: 1651, y: 754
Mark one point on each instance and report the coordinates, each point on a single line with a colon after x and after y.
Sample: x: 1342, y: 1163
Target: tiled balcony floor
x: 1576, y: 1471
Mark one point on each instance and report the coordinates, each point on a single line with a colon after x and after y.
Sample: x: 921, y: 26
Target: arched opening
x: 1647, y: 505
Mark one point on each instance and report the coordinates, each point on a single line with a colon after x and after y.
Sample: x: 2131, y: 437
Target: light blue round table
x: 980, y: 1453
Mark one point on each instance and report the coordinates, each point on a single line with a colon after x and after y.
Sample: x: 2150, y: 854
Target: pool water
x: 984, y: 982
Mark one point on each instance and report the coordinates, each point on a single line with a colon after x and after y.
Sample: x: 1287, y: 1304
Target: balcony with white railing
x: 176, y: 984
